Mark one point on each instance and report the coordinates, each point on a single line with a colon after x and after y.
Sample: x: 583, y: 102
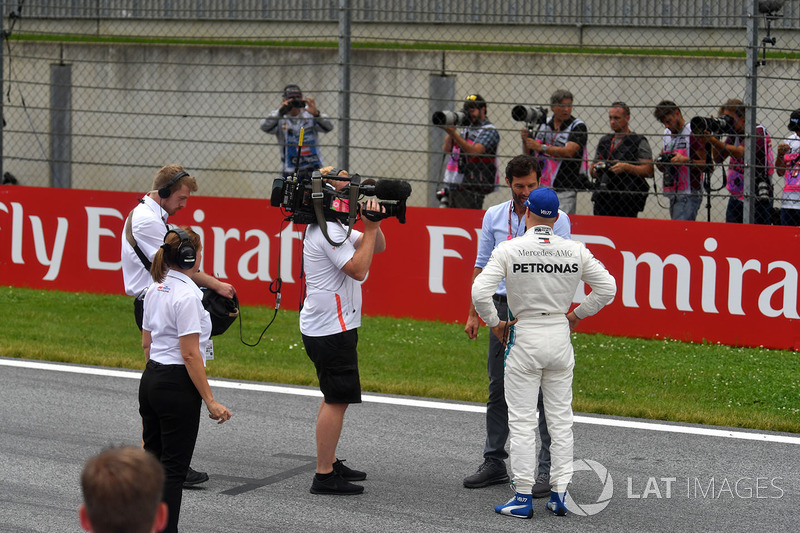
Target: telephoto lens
x: 450, y: 118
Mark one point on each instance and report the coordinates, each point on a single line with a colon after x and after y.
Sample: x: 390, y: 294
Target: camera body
x: 603, y: 171
x: 296, y: 197
x: 670, y: 172
x: 665, y: 157
x: 721, y: 125
x: 298, y: 103
x: 451, y: 118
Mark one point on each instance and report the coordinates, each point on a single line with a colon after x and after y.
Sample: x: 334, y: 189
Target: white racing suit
x: 542, y: 273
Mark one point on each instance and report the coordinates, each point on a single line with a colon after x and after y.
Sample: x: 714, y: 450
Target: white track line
x: 411, y: 402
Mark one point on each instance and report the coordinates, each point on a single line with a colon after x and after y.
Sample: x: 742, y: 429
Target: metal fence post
x: 344, y: 84
x: 61, y: 125
x: 442, y: 93
x: 750, y: 102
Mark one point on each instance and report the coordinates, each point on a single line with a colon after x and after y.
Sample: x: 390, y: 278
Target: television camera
x: 315, y: 200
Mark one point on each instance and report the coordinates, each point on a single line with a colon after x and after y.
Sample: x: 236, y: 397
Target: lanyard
x: 510, y: 234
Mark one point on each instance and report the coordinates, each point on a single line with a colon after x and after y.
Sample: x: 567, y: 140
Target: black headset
x: 166, y: 190
x: 186, y: 255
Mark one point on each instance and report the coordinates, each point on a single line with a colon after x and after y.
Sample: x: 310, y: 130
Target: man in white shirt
x: 329, y: 322
x: 146, y: 226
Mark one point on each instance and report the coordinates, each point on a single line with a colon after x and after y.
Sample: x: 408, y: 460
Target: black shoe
x: 193, y: 477
x: 542, y: 487
x: 348, y: 474
x: 334, y: 484
x: 491, y: 472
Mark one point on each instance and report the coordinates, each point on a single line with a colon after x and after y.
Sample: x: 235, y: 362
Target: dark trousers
x: 169, y: 405
x: 762, y: 211
x: 497, y: 409
x: 790, y: 217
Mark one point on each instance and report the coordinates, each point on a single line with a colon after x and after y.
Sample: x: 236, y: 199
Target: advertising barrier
x: 704, y: 282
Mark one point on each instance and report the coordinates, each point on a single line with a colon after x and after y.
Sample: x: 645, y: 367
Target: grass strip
x: 701, y: 51
x: 655, y: 379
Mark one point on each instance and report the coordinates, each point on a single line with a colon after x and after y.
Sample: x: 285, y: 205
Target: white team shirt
x: 542, y: 272
x: 333, y: 299
x: 149, y: 225
x: 173, y: 309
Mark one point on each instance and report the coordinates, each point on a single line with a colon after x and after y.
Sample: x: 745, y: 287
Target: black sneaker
x: 491, y: 472
x: 334, y: 484
x: 348, y: 474
x: 193, y: 477
x: 542, y: 487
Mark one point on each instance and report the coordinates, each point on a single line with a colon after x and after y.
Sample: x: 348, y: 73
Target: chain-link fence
x: 99, y: 94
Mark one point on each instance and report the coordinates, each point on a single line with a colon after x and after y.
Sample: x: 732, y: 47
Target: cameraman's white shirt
x: 333, y: 299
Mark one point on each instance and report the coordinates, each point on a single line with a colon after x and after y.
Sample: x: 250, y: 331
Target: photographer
x: 733, y: 147
x: 329, y: 322
x: 787, y: 165
x: 622, y: 163
x: 471, y: 171
x: 682, y: 160
x: 561, y: 141
x: 297, y: 113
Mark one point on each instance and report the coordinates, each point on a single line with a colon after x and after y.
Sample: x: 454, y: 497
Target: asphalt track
x: 631, y: 475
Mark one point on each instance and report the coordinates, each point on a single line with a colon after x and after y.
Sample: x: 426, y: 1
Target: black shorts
x: 336, y: 360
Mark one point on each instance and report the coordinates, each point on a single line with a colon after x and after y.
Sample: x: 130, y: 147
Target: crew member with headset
x: 143, y: 234
x: 176, y: 333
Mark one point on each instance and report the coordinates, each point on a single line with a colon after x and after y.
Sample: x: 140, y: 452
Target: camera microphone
x: 393, y: 190
x: 276, y: 198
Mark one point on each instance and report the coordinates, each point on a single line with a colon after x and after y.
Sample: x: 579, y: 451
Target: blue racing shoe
x: 556, y: 503
x: 521, y: 506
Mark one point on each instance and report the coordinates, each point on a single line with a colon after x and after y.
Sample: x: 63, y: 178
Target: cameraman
x: 471, y: 171
x: 285, y: 123
x: 561, y: 141
x: 628, y: 161
x: 682, y: 160
x: 733, y: 147
x: 329, y: 322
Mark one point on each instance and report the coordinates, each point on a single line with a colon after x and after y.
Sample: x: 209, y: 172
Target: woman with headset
x: 176, y: 340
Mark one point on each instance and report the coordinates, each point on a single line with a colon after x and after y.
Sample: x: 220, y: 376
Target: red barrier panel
x: 728, y: 283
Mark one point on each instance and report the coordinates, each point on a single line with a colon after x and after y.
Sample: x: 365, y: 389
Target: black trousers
x: 170, y: 408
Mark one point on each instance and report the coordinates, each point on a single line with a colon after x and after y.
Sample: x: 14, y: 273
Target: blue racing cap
x: 543, y: 202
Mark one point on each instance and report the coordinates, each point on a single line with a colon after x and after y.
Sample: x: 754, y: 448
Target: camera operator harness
x: 317, y: 197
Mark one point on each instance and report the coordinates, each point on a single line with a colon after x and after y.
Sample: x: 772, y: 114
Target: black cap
x: 474, y: 100
x: 794, y: 121
x: 292, y: 91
